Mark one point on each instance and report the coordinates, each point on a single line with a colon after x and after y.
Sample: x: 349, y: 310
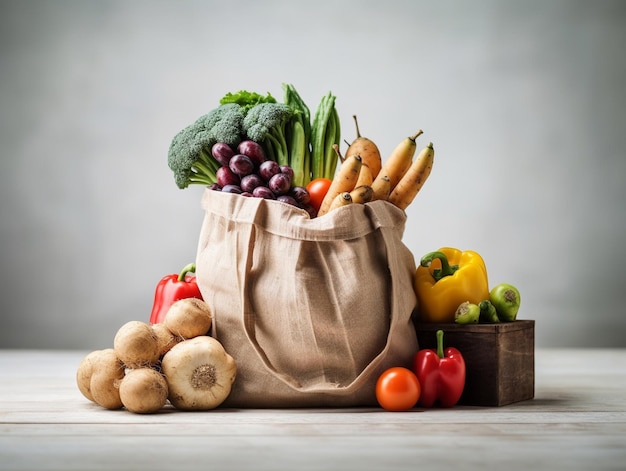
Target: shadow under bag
x: 312, y: 310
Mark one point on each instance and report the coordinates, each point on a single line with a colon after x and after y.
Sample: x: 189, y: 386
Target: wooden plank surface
x: 577, y: 421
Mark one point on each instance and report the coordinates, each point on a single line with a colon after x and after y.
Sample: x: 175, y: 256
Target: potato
x: 189, y: 318
x: 107, y: 372
x: 136, y: 344
x: 84, y: 373
x: 143, y: 391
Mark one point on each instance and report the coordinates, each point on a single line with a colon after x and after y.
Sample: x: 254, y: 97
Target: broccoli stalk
x: 266, y: 123
x: 203, y: 170
x: 189, y: 156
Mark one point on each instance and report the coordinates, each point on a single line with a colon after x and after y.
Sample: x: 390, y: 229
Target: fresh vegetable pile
x: 252, y: 145
x: 453, y: 286
x: 256, y: 147
x: 150, y: 364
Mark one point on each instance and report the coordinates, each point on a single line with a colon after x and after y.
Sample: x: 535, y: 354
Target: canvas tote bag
x: 312, y: 310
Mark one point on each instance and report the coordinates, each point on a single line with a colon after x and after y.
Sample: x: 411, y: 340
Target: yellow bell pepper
x: 445, y: 279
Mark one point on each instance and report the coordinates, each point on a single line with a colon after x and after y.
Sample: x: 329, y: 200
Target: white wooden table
x: 577, y: 421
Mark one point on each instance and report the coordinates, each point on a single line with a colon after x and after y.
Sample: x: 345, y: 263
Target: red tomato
x: 318, y: 189
x: 398, y: 389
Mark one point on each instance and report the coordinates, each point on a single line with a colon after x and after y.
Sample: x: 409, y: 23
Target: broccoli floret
x: 266, y: 123
x: 189, y: 156
x: 225, y: 124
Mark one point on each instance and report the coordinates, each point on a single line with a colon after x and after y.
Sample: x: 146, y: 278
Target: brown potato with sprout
x: 136, y: 344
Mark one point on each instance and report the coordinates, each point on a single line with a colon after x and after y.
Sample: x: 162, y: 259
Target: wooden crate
x: 499, y: 359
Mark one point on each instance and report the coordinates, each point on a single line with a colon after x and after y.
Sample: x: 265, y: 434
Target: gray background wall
x: 524, y: 102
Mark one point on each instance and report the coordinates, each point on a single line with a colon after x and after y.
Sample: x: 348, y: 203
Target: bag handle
x: 380, y: 218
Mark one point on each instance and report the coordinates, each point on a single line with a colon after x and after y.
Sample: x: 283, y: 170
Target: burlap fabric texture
x: 312, y: 310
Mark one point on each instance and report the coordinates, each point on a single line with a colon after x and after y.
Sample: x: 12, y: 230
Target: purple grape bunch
x: 246, y: 171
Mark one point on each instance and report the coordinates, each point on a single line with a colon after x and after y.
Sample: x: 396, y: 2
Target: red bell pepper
x: 441, y: 374
x: 172, y: 288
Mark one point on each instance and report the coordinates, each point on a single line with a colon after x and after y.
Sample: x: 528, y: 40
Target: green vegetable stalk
x: 331, y: 138
x: 325, y: 132
x: 298, y: 136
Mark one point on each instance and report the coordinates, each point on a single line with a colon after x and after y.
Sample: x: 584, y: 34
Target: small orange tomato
x: 318, y: 189
x: 398, y: 389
